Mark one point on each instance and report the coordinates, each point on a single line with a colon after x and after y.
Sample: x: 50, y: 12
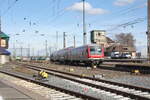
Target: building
x: 99, y: 37
x: 4, y: 40
x: 4, y: 54
x: 117, y: 47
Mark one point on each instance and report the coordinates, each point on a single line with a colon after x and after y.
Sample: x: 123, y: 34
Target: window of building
x: 125, y: 48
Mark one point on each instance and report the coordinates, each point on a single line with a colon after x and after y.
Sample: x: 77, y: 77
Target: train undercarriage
x: 87, y: 63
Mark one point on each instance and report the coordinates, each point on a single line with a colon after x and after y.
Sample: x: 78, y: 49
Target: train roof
x: 89, y: 45
x: 69, y: 48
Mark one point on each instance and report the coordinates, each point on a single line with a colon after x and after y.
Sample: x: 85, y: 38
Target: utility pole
x: 0, y: 24
x: 56, y: 40
x: 14, y: 49
x: 46, y: 48
x: 50, y: 50
x: 21, y: 51
x: 74, y: 41
x: 33, y: 52
x: 148, y: 31
x: 64, y: 38
x: 28, y: 50
x: 84, y: 25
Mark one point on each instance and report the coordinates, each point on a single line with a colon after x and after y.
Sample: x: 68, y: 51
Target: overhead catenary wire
x: 125, y: 11
x: 130, y: 23
x: 10, y: 6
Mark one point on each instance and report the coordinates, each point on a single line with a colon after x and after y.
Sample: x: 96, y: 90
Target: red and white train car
x: 90, y: 55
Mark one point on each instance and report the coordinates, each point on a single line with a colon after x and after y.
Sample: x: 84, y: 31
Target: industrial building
x: 99, y: 37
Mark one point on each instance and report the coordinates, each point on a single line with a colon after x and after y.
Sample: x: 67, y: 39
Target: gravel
x: 48, y: 93
x: 143, y: 81
x: 73, y: 86
x: 117, y: 76
x: 80, y: 88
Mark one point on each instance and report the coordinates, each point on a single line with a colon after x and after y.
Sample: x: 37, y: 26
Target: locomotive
x: 90, y: 55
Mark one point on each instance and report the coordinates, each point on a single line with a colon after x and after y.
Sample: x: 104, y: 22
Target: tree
x: 125, y: 39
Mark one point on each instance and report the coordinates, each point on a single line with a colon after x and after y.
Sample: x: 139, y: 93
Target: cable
x: 125, y: 11
x: 133, y: 9
x: 138, y: 20
x: 60, y: 14
x: 9, y: 8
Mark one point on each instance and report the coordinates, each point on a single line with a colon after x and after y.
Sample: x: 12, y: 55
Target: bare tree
x: 125, y: 39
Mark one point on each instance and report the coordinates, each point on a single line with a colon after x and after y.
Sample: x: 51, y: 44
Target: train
x: 90, y: 55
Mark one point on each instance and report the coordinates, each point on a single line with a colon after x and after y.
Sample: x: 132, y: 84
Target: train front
x: 95, y: 55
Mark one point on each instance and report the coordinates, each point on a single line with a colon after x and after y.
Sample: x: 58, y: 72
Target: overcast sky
x: 38, y: 20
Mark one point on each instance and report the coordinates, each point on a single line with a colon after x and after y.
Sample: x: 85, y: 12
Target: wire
x: 60, y: 14
x: 133, y: 9
x: 124, y: 11
x: 130, y: 23
x: 9, y: 8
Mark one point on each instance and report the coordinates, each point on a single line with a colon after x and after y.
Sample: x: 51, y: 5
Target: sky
x: 30, y: 23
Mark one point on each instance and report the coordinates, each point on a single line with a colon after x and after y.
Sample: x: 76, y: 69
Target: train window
x: 95, y: 50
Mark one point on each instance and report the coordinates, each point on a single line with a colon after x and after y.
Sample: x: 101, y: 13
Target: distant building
x: 117, y: 47
x: 99, y: 37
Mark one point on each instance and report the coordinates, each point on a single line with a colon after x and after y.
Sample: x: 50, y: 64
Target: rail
x: 133, y: 96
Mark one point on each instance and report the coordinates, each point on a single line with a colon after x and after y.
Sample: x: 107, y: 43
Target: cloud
x: 88, y: 8
x: 123, y: 2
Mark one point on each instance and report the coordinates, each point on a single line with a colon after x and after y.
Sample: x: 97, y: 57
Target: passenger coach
x: 90, y: 55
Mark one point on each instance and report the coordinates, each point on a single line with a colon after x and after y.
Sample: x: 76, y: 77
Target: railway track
x: 126, y: 60
x: 123, y: 91
x: 143, y: 69
x: 57, y: 93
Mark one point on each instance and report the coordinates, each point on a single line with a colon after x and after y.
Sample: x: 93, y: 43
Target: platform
x: 10, y: 91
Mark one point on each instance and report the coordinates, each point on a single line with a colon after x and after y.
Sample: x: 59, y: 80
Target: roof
x: 3, y: 35
x: 109, y: 40
x: 98, y: 31
x: 121, y: 48
x: 3, y: 51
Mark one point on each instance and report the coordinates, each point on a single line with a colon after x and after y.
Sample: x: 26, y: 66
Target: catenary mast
x: 84, y: 25
x: 0, y: 24
x: 148, y: 31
